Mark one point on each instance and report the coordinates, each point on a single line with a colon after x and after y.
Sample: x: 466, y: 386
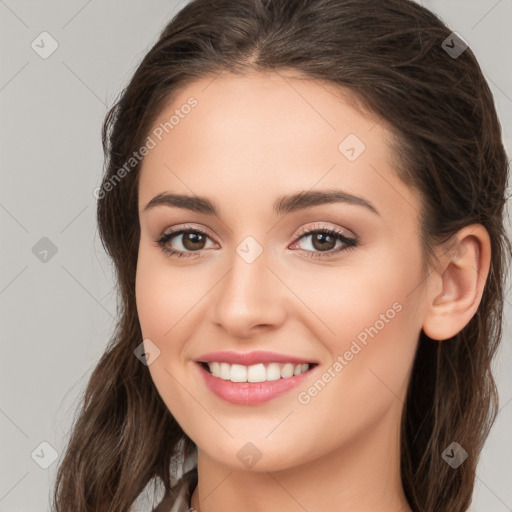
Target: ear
x: 455, y: 287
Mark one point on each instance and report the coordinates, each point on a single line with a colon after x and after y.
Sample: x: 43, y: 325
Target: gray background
x: 57, y: 316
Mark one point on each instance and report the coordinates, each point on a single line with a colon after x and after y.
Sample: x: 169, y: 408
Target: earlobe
x: 455, y: 288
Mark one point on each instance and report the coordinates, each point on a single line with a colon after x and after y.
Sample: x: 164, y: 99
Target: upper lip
x: 250, y: 358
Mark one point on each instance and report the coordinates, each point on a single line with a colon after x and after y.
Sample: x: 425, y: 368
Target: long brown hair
x: 448, y: 145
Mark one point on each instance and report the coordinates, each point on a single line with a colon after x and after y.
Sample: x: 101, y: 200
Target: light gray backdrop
x: 56, y: 285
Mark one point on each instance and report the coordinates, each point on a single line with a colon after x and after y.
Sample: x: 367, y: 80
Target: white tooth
x: 238, y: 373
x: 256, y: 373
x: 273, y: 371
x: 287, y: 370
x: 215, y: 369
x: 225, y: 371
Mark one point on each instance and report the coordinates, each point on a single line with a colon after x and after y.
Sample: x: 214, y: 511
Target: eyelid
x: 351, y: 240
x: 304, y: 230
x: 322, y: 226
x: 187, y: 227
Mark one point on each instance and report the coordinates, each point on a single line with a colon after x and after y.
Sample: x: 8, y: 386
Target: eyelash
x: 351, y: 243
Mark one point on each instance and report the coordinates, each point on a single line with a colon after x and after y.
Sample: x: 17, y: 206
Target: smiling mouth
x: 257, y: 372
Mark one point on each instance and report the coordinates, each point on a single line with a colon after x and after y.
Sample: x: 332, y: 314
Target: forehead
x: 262, y: 135
x: 265, y: 106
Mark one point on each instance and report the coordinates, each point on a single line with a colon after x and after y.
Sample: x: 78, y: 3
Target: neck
x: 361, y: 476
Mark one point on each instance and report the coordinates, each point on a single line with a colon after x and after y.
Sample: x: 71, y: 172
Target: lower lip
x: 250, y: 393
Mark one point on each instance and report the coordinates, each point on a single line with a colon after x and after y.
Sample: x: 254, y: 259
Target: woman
x: 337, y: 168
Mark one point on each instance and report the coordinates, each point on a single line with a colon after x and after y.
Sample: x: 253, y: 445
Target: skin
x: 250, y: 140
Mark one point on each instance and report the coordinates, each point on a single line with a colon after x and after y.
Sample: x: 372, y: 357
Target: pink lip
x: 249, y: 358
x: 250, y: 393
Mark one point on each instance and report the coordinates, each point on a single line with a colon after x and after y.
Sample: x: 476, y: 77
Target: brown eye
x: 183, y: 242
x: 193, y: 241
x: 323, y: 241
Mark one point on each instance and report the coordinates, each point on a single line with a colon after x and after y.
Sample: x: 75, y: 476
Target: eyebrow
x: 282, y: 206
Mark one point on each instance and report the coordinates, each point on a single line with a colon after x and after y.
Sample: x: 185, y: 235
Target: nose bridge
x: 249, y: 295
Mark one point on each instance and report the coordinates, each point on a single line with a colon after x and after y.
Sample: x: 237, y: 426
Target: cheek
x: 373, y: 316
x: 159, y: 295
x: 370, y: 357
x: 374, y: 296
x: 160, y: 306
x: 168, y: 302
x: 152, y: 302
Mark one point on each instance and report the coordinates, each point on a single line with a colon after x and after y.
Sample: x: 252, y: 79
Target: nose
x: 249, y: 299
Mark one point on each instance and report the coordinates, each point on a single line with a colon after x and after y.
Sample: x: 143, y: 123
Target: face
x: 318, y: 300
